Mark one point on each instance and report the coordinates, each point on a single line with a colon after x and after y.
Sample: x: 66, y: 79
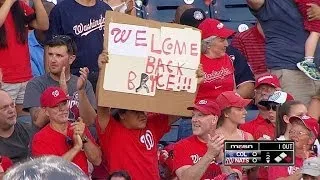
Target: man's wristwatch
x: 84, y: 139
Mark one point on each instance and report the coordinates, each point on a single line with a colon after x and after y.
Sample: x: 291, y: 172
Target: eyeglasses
x: 298, y: 133
x: 271, y: 106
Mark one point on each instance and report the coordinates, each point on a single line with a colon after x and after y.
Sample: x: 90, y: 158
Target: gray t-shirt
x: 16, y: 147
x: 285, y: 35
x: 37, y: 85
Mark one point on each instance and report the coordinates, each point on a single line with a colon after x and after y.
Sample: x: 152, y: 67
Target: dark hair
x: 123, y: 174
x: 282, y: 110
x: 63, y: 40
x: 117, y: 112
x: 20, y: 21
x: 222, y: 117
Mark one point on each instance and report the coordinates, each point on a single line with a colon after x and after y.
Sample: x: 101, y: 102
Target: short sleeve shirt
x: 218, y: 77
x: 50, y: 142
x: 16, y: 147
x: 134, y: 150
x: 38, y: 84
x: 285, y: 35
x: 189, y: 151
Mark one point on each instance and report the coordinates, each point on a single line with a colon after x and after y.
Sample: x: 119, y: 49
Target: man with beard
x: 14, y: 136
x: 61, y: 53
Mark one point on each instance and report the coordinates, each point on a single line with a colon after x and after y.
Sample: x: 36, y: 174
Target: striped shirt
x: 252, y: 45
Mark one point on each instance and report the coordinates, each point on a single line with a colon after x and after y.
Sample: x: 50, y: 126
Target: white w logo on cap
x: 203, y: 102
x: 55, y: 93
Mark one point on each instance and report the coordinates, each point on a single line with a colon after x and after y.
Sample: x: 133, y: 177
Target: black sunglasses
x: 271, y: 106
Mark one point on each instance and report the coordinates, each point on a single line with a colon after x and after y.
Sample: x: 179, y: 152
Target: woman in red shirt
x: 217, y: 65
x: 15, y: 18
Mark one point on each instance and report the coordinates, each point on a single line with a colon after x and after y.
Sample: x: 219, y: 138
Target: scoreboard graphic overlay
x: 259, y: 153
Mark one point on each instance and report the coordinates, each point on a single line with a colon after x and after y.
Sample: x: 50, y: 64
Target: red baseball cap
x: 231, y: 99
x: 207, y: 107
x: 211, y: 27
x: 269, y: 79
x: 52, y: 96
x: 309, y: 122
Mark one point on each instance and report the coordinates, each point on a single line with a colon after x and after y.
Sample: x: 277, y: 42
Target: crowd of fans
x: 50, y: 58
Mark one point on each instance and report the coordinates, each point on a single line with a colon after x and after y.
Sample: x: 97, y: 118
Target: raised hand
x: 215, y: 144
x: 307, y: 152
x: 78, y: 127
x: 63, y: 81
x: 200, y: 74
x: 130, y: 6
x: 82, y: 80
x: 103, y: 58
x: 313, y: 12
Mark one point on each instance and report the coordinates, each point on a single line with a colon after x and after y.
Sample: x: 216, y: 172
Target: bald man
x: 14, y: 136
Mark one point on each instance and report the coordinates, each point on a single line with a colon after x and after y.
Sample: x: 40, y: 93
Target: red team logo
x: 147, y: 139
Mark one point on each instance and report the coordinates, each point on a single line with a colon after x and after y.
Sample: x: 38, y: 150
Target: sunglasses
x: 271, y: 106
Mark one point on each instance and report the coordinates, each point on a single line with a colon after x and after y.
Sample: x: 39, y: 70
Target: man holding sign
x: 129, y: 138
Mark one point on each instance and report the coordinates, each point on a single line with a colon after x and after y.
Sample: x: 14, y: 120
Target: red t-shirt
x: 50, y: 142
x: 15, y: 60
x: 252, y: 45
x: 265, y: 129
x: 251, y: 126
x: 218, y: 77
x: 275, y: 172
x: 189, y: 151
x: 133, y: 150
